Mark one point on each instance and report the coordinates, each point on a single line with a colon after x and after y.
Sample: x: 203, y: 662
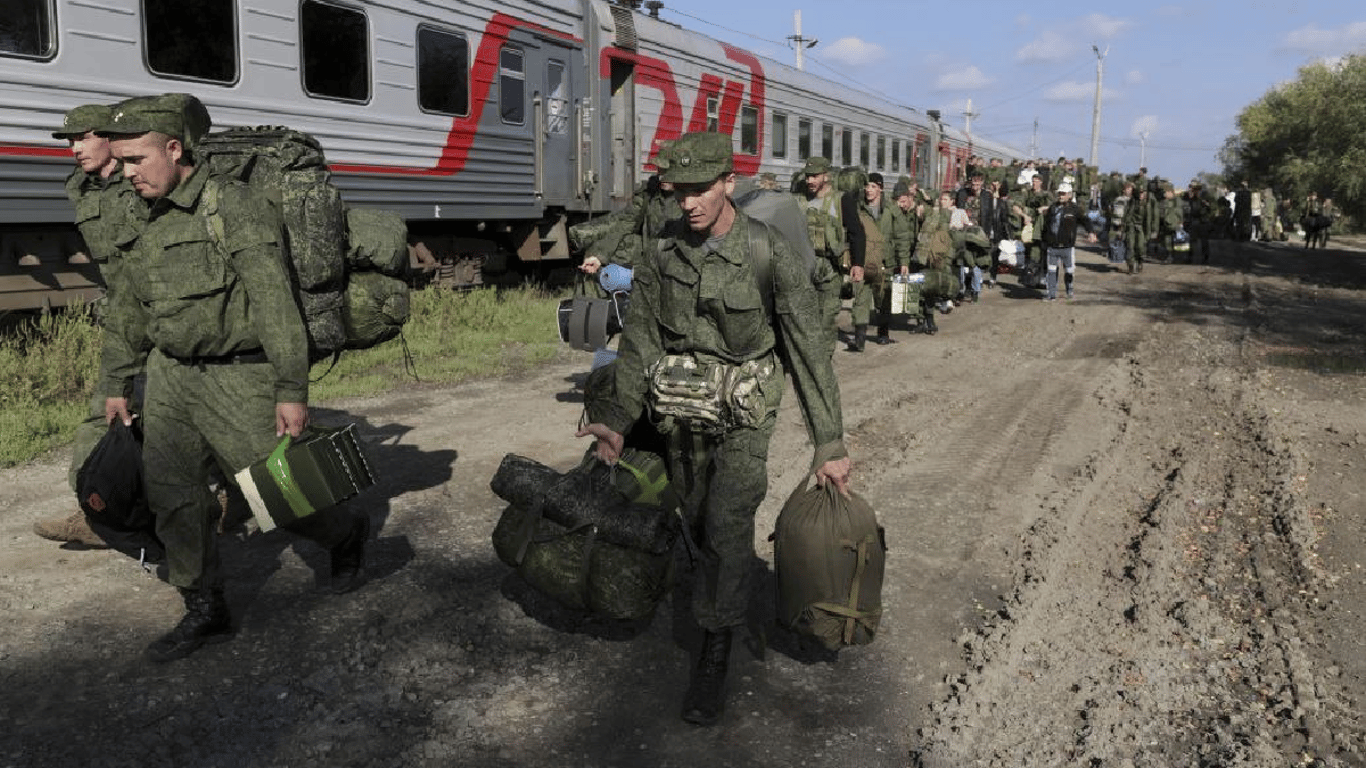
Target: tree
x: 1306, y: 136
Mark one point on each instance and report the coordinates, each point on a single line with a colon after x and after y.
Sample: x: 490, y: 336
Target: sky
x: 1175, y: 75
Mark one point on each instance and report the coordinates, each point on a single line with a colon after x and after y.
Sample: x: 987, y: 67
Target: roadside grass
x: 49, y: 364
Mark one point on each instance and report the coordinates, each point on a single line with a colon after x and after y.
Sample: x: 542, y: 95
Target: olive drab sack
x: 325, y: 242
x: 829, y: 554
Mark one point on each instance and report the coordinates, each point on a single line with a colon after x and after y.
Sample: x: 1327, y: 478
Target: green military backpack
x: 328, y: 246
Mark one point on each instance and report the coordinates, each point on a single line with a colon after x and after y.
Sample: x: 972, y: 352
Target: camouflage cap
x: 83, y: 119
x: 178, y: 115
x: 697, y: 158
x: 901, y: 188
x: 664, y: 157
x: 815, y: 165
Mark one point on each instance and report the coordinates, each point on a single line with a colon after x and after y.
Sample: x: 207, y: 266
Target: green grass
x: 49, y: 364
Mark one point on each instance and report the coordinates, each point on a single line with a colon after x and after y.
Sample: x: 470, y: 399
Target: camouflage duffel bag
x: 597, y: 539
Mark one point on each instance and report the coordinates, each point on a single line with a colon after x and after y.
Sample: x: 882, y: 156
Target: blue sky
x: 1179, y: 72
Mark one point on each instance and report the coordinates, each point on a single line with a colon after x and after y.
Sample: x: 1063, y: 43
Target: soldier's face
x: 91, y: 151
x: 817, y: 181
x: 704, y: 205
x: 151, y: 162
x: 905, y: 202
x: 872, y: 192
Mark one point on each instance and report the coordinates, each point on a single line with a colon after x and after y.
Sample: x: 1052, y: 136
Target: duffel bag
x: 829, y: 554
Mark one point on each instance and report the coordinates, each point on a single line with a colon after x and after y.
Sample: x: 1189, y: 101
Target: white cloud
x: 1104, y: 27
x: 1072, y: 91
x: 1048, y: 46
x: 1326, y: 42
x: 1145, y: 124
x: 853, y: 52
x: 1133, y: 77
x: 962, y: 80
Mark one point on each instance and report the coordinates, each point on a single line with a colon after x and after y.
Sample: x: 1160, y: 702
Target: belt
x: 236, y: 358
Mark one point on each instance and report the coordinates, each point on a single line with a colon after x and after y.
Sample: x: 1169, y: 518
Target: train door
x: 623, y: 129
x: 535, y: 106
x: 555, y: 108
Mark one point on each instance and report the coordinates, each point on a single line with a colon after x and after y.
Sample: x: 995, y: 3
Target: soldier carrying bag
x: 829, y: 554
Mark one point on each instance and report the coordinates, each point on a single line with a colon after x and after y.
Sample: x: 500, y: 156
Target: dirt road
x: 1125, y: 530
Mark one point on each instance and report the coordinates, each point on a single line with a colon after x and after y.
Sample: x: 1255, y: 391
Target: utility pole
x: 1034, y: 141
x: 968, y: 114
x: 800, y: 43
x: 1142, y: 149
x: 1095, y: 115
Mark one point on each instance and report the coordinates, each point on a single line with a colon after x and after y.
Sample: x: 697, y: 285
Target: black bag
x: 109, y: 488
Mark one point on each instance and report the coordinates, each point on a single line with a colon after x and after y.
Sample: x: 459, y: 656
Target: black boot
x: 206, y: 620
x: 348, y: 558
x: 860, y: 338
x: 884, y: 335
x: 928, y: 326
x: 707, y: 690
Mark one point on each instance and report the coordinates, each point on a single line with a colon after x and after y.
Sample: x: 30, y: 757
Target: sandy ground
x: 1125, y: 530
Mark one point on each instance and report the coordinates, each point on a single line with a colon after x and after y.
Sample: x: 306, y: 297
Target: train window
x: 863, y: 149
x: 803, y: 139
x: 443, y: 72
x: 511, y: 86
x: 896, y: 154
x: 26, y: 29
x: 335, y: 51
x: 828, y: 141
x: 749, y: 130
x: 847, y: 147
x: 881, y: 152
x: 556, y: 101
x: 779, y: 142
x: 199, y: 46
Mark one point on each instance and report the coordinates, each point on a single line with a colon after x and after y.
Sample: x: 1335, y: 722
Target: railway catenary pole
x: 800, y: 43
x: 1095, y: 113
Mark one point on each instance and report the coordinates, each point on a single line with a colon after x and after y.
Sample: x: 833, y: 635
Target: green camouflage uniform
x: 701, y: 298
x: 618, y: 237
x: 887, y: 245
x: 218, y: 328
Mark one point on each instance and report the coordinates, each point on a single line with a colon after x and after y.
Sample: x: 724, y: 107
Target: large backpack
x: 289, y: 168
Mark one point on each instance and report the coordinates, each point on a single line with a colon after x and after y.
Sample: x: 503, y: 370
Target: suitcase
x: 317, y: 471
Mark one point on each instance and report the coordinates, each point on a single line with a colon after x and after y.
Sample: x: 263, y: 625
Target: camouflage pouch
x: 710, y: 397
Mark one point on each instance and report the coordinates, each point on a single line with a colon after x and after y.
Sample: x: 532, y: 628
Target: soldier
x: 934, y: 254
x: 215, y: 322
x: 1133, y: 225
x: 103, y: 201
x: 697, y: 306
x: 888, y: 246
x: 833, y: 224
x: 618, y: 237
x: 1198, y: 220
x: 1170, y: 219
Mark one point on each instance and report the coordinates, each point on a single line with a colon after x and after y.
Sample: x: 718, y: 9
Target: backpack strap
x: 761, y: 260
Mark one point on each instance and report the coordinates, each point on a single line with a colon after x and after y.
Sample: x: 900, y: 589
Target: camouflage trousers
x: 195, y: 415
x: 721, y: 480
x: 873, y: 294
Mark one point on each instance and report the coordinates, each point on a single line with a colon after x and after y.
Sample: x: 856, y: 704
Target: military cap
x: 817, y: 165
x: 875, y: 178
x: 83, y: 119
x: 696, y: 158
x: 664, y: 156
x: 901, y: 188
x: 178, y: 115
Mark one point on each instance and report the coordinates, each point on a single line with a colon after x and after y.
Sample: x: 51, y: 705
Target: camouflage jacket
x: 107, y: 212
x: 689, y: 299
x: 618, y: 237
x: 182, y: 291
x: 890, y: 245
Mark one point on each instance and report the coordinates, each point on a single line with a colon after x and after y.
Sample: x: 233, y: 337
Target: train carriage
x: 490, y: 126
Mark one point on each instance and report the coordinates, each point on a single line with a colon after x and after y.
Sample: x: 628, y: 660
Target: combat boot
x: 348, y: 557
x: 206, y: 620
x: 706, y: 696
x: 859, y: 340
x: 884, y: 335
x: 73, y: 528
x: 929, y: 327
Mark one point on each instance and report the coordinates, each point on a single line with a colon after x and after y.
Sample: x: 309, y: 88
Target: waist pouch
x: 710, y: 397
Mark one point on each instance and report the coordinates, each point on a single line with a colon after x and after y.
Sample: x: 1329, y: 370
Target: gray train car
x: 491, y: 126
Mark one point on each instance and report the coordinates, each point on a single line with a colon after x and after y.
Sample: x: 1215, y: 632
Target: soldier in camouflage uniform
x: 214, y: 321
x: 103, y: 200
x: 698, y: 308
x: 887, y: 235
x: 833, y: 224
x: 618, y: 237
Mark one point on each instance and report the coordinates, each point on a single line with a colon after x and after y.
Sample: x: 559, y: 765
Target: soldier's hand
x: 610, y: 443
x: 117, y: 408
x: 836, y: 471
x: 290, y: 418
x: 905, y: 270
x: 856, y: 274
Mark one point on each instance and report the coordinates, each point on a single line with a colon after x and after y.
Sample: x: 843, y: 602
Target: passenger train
x: 491, y: 125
